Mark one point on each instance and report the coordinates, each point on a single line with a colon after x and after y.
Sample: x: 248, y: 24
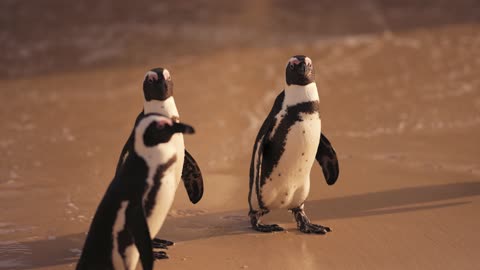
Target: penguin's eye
x: 150, y: 80
x: 290, y: 66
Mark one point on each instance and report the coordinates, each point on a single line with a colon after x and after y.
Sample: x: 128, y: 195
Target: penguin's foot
x: 267, y: 227
x: 256, y: 225
x: 304, y: 224
x: 161, y: 243
x: 313, y: 228
x: 160, y: 255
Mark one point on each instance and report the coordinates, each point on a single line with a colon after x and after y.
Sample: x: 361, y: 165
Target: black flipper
x: 138, y: 227
x: 128, y: 147
x: 327, y: 158
x: 259, y: 147
x: 192, y: 178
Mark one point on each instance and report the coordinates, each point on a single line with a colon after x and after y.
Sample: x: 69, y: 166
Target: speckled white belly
x: 289, y: 184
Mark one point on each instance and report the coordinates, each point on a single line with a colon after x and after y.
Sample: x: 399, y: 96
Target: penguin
x: 158, y: 98
x: 137, y: 201
x: 288, y: 143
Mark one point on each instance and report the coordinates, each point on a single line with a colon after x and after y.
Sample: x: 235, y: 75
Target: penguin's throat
x: 166, y: 107
x: 301, y: 93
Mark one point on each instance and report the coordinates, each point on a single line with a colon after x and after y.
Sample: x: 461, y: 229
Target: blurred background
x: 399, y: 87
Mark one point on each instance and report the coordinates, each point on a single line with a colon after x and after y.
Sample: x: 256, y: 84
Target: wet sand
x: 400, y: 102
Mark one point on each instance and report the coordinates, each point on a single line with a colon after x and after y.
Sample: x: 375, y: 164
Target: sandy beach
x: 399, y: 86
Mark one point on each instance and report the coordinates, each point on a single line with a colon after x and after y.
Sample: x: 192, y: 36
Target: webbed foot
x: 256, y: 225
x: 160, y: 255
x: 161, y: 243
x: 267, y: 227
x: 313, y: 228
x: 304, y: 224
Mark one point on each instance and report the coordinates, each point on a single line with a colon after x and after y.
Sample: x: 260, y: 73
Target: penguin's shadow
x: 65, y: 249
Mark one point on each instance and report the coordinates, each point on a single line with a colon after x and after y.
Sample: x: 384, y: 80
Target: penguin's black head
x: 162, y: 129
x: 300, y: 70
x: 157, y: 85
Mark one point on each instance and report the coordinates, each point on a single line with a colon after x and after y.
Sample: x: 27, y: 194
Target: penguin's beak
x: 302, y: 68
x: 182, y: 128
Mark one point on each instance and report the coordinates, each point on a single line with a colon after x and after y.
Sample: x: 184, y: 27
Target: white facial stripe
x: 151, y: 76
x: 308, y: 61
x: 294, y: 60
x: 166, y: 74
